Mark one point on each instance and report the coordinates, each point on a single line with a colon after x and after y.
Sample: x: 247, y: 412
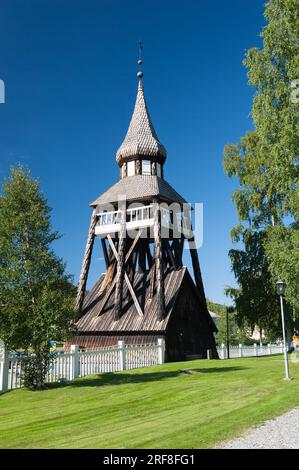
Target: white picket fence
x: 69, y: 366
x: 249, y: 351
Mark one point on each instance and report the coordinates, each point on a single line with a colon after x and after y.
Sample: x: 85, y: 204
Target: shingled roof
x: 139, y: 187
x: 141, y: 138
x: 94, y: 320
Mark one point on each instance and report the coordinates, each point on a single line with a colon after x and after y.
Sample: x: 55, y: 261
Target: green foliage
x: 36, y: 367
x: 265, y: 161
x: 36, y: 295
x: 256, y: 301
x: 237, y: 333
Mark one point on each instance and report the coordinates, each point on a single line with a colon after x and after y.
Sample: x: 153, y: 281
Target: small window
x: 159, y: 170
x: 131, y: 168
x: 146, y: 167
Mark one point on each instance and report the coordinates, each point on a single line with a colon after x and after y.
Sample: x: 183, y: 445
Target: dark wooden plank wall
x: 188, y: 331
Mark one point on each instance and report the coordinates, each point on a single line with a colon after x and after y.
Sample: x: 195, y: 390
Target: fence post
x: 269, y: 349
x: 209, y: 354
x: 161, y: 351
x: 4, y: 367
x: 240, y: 350
x: 255, y: 349
x: 222, y: 351
x: 74, y: 372
x: 122, y: 355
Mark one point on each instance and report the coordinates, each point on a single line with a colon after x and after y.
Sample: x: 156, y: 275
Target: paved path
x: 278, y: 433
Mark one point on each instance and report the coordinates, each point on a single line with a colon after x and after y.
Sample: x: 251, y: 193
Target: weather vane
x: 139, y: 61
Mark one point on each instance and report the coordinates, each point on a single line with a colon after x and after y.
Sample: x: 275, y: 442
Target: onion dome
x: 141, y: 141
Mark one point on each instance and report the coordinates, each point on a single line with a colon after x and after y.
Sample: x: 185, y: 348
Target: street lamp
x: 280, y: 286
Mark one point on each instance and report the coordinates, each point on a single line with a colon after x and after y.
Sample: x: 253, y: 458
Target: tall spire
x: 141, y: 139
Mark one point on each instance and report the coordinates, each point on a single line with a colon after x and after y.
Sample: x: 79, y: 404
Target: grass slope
x: 156, y: 407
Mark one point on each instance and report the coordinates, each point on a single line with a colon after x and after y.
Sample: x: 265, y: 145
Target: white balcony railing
x: 139, y: 217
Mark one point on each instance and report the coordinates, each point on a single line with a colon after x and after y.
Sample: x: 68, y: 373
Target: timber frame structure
x: 143, y: 224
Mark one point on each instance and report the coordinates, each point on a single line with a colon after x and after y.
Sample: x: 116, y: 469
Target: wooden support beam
x: 86, y: 261
x: 158, y: 259
x: 105, y: 252
x: 120, y: 260
x: 170, y: 254
x: 132, y: 247
x: 142, y: 253
x: 130, y: 287
x: 149, y: 255
x: 174, y: 246
x: 178, y: 243
x: 197, y: 271
x: 110, y: 270
x: 113, y: 282
x: 137, y: 305
x: 165, y: 257
x: 133, y: 267
x: 177, y: 248
x: 108, y: 292
x: 152, y: 281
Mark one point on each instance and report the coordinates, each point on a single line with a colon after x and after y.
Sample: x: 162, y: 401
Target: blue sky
x: 69, y: 69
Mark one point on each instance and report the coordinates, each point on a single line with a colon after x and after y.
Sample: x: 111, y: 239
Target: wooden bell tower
x: 143, y: 224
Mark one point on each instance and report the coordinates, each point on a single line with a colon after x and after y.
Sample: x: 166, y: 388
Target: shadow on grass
x: 118, y: 378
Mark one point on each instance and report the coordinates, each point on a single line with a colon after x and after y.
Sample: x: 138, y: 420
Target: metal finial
x: 139, y: 61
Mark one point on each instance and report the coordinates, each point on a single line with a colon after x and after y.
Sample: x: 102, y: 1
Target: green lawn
x: 156, y: 407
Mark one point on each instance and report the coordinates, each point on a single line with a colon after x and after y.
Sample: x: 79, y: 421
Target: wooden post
x: 152, y: 281
x: 172, y: 261
x: 142, y: 253
x: 86, y: 261
x: 105, y: 252
x: 133, y: 266
x: 158, y: 259
x: 196, y: 270
x: 74, y: 373
x: 177, y: 247
x: 4, y: 367
x: 121, y: 260
x: 122, y: 355
x: 149, y: 255
x: 161, y: 351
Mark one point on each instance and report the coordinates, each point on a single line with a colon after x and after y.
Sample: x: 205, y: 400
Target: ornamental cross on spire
x: 139, y: 61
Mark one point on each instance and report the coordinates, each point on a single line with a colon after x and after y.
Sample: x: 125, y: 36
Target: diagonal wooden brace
x: 113, y: 282
x: 86, y: 261
x: 130, y: 287
x: 197, y: 271
x: 159, y: 260
x: 120, y: 268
